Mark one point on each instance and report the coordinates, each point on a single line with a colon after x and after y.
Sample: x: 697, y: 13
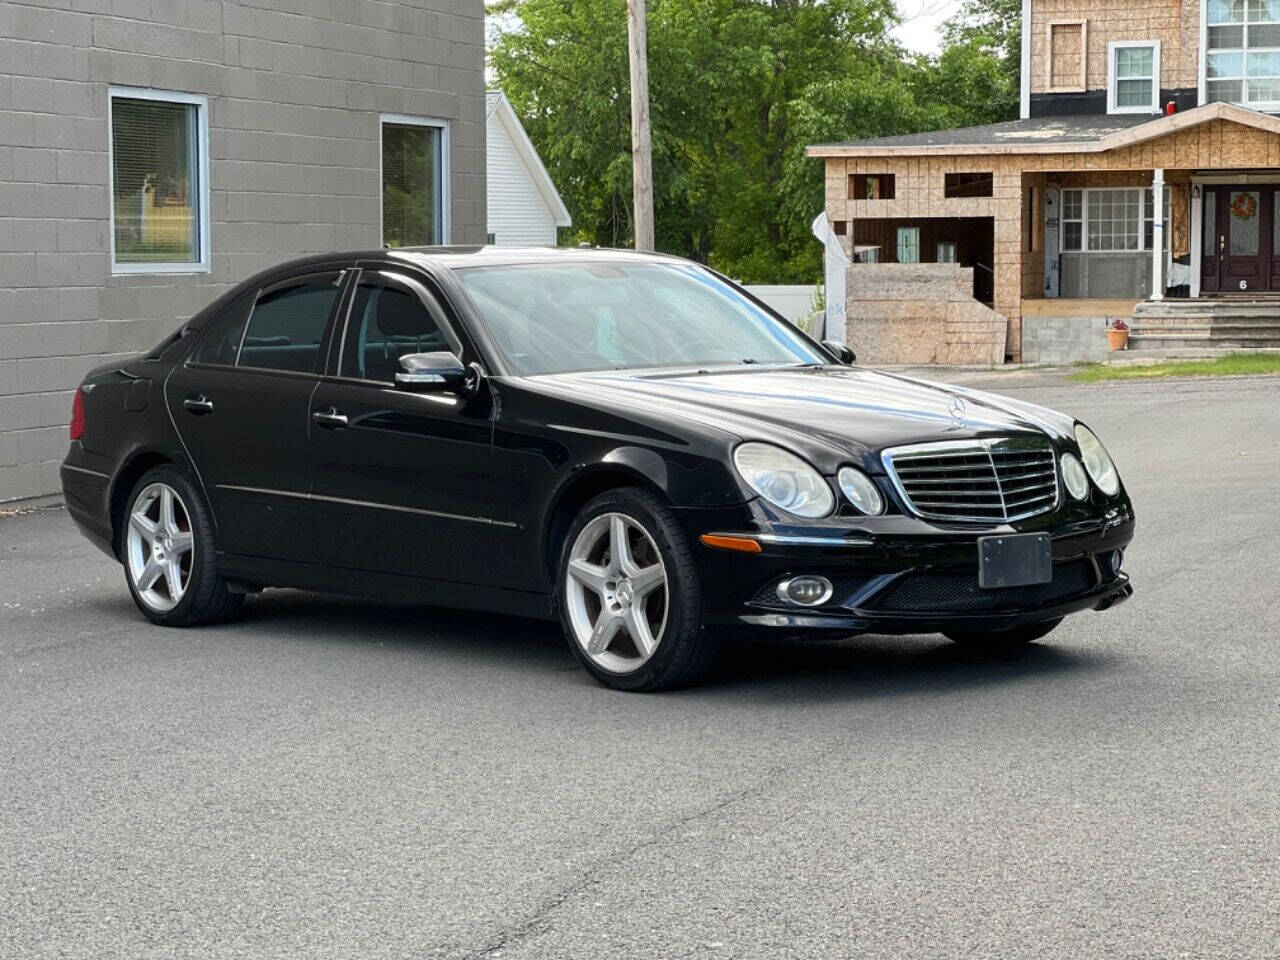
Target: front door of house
x: 1240, y: 254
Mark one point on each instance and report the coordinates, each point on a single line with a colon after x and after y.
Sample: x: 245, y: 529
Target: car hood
x: 826, y: 412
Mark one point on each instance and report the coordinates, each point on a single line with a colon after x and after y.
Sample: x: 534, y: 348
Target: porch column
x: 1157, y: 235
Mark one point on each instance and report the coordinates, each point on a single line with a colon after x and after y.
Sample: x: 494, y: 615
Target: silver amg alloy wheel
x: 158, y: 547
x: 616, y: 592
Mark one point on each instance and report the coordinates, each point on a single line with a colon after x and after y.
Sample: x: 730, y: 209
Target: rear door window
x: 287, y: 324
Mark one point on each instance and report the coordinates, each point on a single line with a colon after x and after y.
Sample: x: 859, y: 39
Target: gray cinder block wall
x: 295, y: 91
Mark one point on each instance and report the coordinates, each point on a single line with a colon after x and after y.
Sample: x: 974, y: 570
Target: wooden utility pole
x: 641, y: 153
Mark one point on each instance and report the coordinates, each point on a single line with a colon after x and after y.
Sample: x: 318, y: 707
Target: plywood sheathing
x: 1217, y: 144
x: 1174, y: 23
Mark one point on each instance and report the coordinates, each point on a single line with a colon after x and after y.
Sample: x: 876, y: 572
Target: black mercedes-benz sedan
x: 629, y: 443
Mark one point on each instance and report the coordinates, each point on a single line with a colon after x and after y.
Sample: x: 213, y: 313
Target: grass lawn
x: 1233, y: 364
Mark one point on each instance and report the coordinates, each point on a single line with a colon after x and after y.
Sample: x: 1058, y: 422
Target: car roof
x: 454, y: 257
x: 458, y: 256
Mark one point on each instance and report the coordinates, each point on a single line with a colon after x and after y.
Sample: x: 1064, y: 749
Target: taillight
x: 77, y: 415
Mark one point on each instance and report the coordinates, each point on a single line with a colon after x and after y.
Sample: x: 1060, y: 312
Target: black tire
x: 206, y: 598
x: 684, y: 652
x: 996, y: 640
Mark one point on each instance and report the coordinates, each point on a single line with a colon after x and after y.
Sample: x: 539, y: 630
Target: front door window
x: 1242, y: 225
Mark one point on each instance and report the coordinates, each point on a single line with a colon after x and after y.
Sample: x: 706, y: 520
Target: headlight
x: 1097, y: 462
x: 1073, y: 476
x: 862, y: 493
x: 784, y: 479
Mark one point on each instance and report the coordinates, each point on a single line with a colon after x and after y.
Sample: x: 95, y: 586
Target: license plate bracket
x: 1016, y: 560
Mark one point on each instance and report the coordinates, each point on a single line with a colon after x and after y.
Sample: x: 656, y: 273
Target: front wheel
x: 168, y: 553
x: 996, y: 640
x: 629, y: 597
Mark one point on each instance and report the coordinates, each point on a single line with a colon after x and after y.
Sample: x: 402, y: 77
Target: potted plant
x: 1118, y: 335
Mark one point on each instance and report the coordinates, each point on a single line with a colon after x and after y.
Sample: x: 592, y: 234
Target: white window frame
x: 203, y: 240
x: 1064, y: 220
x: 1113, y: 78
x: 1083, y: 220
x: 400, y: 119
x: 1245, y: 50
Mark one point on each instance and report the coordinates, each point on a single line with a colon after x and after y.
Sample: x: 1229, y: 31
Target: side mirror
x: 841, y: 351
x: 431, y: 372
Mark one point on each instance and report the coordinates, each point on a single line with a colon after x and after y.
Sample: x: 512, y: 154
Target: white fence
x: 793, y: 301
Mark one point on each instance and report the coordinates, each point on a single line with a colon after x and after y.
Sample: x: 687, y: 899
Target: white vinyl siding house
x: 524, y: 206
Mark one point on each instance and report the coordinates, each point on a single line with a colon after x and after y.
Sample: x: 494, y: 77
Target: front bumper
x: 901, y: 575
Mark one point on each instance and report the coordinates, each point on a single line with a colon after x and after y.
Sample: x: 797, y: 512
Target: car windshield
x: 592, y: 315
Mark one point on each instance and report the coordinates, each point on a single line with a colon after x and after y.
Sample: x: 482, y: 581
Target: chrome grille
x: 1004, y: 479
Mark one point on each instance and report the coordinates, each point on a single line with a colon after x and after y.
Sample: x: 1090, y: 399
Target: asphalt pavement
x: 328, y: 777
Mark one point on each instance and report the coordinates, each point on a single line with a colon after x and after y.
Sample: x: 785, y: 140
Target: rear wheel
x: 629, y: 597
x: 168, y: 553
x: 1002, y: 639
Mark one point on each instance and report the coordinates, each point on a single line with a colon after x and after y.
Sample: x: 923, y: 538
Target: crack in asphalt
x: 533, y: 923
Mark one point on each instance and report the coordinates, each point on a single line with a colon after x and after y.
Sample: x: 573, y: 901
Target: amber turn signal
x: 741, y: 544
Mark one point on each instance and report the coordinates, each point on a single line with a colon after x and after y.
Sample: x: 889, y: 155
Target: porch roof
x: 1067, y: 134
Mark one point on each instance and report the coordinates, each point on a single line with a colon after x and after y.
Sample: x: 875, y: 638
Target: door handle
x: 198, y: 405
x: 330, y: 419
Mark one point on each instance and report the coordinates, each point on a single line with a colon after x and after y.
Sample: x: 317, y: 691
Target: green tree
x: 978, y: 72
x: 738, y: 89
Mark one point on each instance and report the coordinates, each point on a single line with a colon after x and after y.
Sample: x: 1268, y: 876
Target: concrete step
x: 1249, y: 331
x: 1156, y: 342
x: 1138, y: 351
x: 1176, y: 341
x: 1156, y: 328
x: 1210, y: 309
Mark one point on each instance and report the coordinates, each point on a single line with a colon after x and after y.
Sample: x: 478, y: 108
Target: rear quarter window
x: 222, y: 341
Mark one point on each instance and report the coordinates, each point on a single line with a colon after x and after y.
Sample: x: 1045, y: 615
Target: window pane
x: 908, y: 244
x: 1264, y: 65
x: 1133, y: 93
x: 1226, y: 37
x: 1275, y: 220
x: 1264, y: 35
x: 154, y: 181
x: 1071, y: 204
x: 1264, y: 11
x: 947, y: 252
x: 1229, y: 91
x: 1134, y: 62
x: 287, y: 324
x: 1210, y: 223
x: 1226, y: 11
x: 1224, y: 65
x: 1242, y: 223
x: 1114, y: 219
x: 386, y: 324
x: 411, y: 185
x: 1071, y: 236
x: 223, y: 342
x: 1264, y: 91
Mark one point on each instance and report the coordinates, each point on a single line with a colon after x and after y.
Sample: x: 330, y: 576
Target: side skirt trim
x: 294, y: 495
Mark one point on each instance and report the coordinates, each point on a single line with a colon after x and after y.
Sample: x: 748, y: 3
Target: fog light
x: 805, y: 591
x: 1117, y: 559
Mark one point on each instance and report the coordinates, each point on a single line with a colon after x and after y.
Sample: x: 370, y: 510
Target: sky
x: 921, y: 21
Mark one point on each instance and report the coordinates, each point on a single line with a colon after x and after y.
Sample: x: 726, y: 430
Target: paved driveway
x: 334, y: 778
